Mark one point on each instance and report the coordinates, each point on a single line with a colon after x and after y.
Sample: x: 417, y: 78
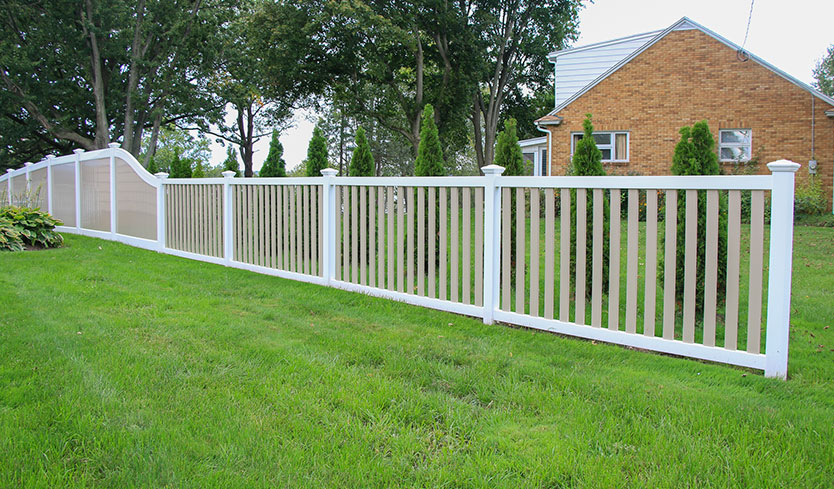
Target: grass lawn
x: 121, y: 367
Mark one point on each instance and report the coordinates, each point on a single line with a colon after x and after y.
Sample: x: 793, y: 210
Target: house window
x: 614, y: 145
x: 735, y: 144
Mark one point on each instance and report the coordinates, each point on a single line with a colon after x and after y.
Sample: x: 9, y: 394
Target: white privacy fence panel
x: 613, y: 259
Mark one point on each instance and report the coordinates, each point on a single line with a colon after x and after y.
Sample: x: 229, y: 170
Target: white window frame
x: 611, y: 146
x: 749, y: 144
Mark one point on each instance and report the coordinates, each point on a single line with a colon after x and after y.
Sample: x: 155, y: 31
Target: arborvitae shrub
x: 362, y: 161
x: 180, y: 167
x: 274, y: 165
x: 316, y: 154
x: 587, y: 161
x: 695, y: 155
x: 231, y: 163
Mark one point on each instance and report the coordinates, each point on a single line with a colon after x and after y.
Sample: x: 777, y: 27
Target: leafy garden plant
x: 21, y: 226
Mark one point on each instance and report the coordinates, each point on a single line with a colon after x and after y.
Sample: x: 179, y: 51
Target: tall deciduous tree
x: 695, y: 155
x: 274, y: 165
x: 362, y: 162
x: 429, y: 154
x: 514, y: 39
x: 90, y: 72
x: 824, y: 73
x: 316, y: 154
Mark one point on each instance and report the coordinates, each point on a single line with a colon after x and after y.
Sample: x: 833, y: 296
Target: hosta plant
x: 26, y: 226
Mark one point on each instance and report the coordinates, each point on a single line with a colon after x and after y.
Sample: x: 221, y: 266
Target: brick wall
x: 686, y: 77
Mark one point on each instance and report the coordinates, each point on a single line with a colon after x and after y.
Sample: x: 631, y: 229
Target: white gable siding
x: 575, y: 69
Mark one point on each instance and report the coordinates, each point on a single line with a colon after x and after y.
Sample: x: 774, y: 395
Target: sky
x: 792, y: 36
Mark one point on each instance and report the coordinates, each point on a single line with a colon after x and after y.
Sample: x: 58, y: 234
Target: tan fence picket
x: 733, y: 261
x: 754, y: 303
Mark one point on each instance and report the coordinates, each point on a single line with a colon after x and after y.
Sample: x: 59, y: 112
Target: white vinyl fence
x: 450, y: 243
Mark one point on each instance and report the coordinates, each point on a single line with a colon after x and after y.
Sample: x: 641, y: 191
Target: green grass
x: 121, y: 367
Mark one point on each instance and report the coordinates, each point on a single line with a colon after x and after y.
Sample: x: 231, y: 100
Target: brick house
x: 642, y: 89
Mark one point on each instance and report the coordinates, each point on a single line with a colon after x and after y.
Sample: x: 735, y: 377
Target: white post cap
x: 9, y: 170
x: 114, y: 145
x: 228, y: 174
x: 78, y: 151
x: 493, y: 170
x: 161, y: 175
x: 28, y: 164
x: 49, y: 157
x: 783, y: 166
x: 329, y: 172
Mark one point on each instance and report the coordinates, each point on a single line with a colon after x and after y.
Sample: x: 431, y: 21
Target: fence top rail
x: 193, y: 181
x: 472, y: 181
x: 278, y: 181
x: 694, y: 182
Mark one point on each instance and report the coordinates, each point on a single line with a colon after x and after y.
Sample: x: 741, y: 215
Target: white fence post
x: 9, y: 171
x: 160, y: 210
x: 113, y: 223
x: 228, y: 217
x: 492, y: 238
x: 779, y: 275
x: 49, y: 159
x: 328, y: 216
x: 27, y: 166
x: 78, y: 188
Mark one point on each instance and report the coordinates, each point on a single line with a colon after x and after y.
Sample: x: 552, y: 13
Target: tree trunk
x: 102, y: 123
x: 157, y: 121
x: 128, y: 139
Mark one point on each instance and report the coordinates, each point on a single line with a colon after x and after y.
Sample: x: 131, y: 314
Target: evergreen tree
x: 231, y: 163
x: 508, y: 154
x: 587, y: 161
x: 695, y: 155
x: 507, y: 151
x: 180, y: 167
x: 316, y: 154
x: 274, y: 165
x: 362, y: 162
x: 198, y: 172
x: 152, y: 168
x: 429, y: 152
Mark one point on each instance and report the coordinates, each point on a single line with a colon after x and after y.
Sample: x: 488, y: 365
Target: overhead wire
x: 741, y: 54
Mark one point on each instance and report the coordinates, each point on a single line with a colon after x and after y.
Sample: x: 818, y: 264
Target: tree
x: 362, y: 162
x: 180, y: 167
x: 231, y: 164
x: 587, y: 161
x: 274, y: 166
x: 92, y: 72
x: 385, y: 60
x: 508, y: 154
x: 429, y: 153
x: 514, y: 39
x: 695, y: 155
x: 152, y: 168
x: 173, y: 141
x: 824, y: 73
x: 316, y: 154
x: 199, y: 171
